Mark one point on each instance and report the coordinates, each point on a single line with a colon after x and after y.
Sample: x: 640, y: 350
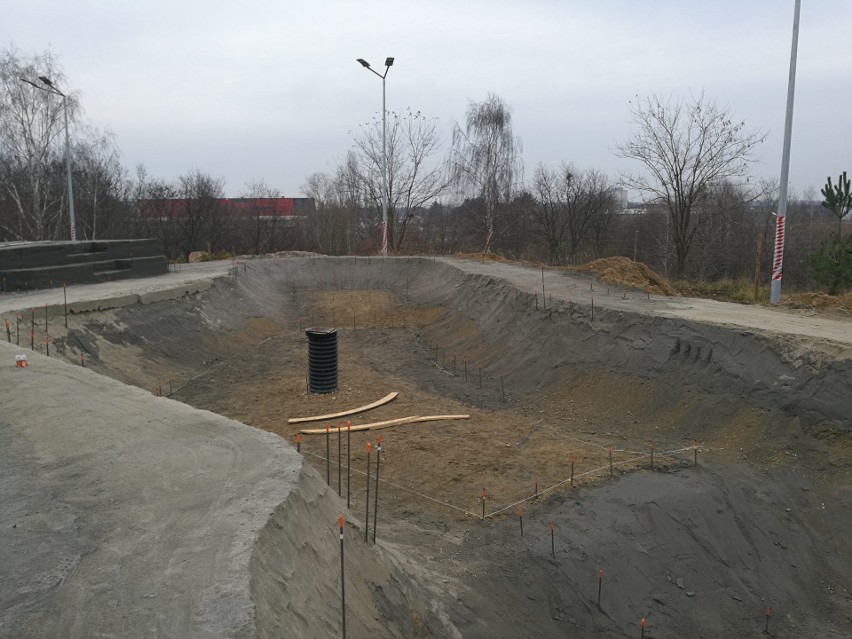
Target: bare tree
x: 685, y: 148
x: 549, y: 211
x: 101, y: 187
x: 261, y: 220
x: 573, y: 210
x: 413, y: 182
x: 204, y: 223
x: 156, y: 211
x: 485, y: 160
x: 337, y: 222
x: 31, y: 152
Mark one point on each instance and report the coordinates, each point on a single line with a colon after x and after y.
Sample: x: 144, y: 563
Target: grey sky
x: 270, y: 89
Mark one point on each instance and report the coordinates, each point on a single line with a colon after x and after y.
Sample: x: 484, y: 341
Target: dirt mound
x: 821, y: 301
x: 623, y: 271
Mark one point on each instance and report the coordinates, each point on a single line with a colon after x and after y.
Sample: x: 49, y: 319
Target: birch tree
x: 32, y: 178
x: 485, y: 161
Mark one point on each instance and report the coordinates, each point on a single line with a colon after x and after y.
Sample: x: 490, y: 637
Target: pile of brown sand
x: 820, y: 301
x: 622, y: 271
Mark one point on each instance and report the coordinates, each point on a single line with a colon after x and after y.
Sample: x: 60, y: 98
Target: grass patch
x: 739, y: 291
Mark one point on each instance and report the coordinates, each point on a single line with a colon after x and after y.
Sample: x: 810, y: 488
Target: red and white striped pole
x: 384, y: 238
x: 778, y: 261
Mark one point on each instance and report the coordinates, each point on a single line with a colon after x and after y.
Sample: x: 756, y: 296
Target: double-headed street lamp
x: 49, y: 87
x: 388, y: 65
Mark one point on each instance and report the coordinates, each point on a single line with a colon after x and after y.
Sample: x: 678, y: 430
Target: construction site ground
x: 700, y: 550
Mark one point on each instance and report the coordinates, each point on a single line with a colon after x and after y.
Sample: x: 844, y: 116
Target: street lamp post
x: 388, y: 65
x: 775, y: 285
x: 51, y: 88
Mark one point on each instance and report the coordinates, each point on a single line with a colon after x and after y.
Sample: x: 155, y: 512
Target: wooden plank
x: 317, y: 418
x: 414, y: 419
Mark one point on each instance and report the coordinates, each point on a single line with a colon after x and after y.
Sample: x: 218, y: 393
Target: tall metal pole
x: 775, y: 288
x: 384, y: 173
x: 68, y: 171
x: 385, y: 204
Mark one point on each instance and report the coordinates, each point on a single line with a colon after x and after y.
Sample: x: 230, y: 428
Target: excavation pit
x: 555, y: 384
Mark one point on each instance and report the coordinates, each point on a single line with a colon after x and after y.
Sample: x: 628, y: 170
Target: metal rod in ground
x: 298, y: 443
x: 535, y: 494
x: 573, y: 459
x: 642, y: 626
x: 18, y: 329
x: 339, y: 469
x: 46, y: 346
x: 767, y: 612
x: 521, y: 519
x: 342, y: 577
x: 376, y: 497
x: 348, y: 459
x: 8, y: 331
x: 483, y: 504
x: 82, y: 360
x: 367, y: 517
x: 600, y: 584
x: 327, y: 455
x: 32, y: 332
x: 695, y: 452
x: 543, y: 298
x: 552, y: 541
x: 65, y: 302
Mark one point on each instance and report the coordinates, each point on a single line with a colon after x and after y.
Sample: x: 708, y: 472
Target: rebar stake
x: 327, y: 455
x: 376, y: 503
x: 342, y: 577
x: 600, y: 584
x: 367, y: 516
x: 348, y: 459
x: 339, y: 460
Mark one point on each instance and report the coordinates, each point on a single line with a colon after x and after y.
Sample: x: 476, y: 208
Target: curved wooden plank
x: 414, y: 419
x: 384, y: 400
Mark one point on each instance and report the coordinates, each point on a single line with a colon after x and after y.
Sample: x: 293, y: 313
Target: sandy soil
x: 696, y: 551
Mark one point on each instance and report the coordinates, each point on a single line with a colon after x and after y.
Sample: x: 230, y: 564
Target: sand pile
x: 623, y: 271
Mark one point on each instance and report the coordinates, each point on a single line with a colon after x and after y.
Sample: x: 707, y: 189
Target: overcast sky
x: 271, y: 90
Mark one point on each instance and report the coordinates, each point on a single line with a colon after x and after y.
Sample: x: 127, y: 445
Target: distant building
x: 264, y: 208
x: 621, y: 197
